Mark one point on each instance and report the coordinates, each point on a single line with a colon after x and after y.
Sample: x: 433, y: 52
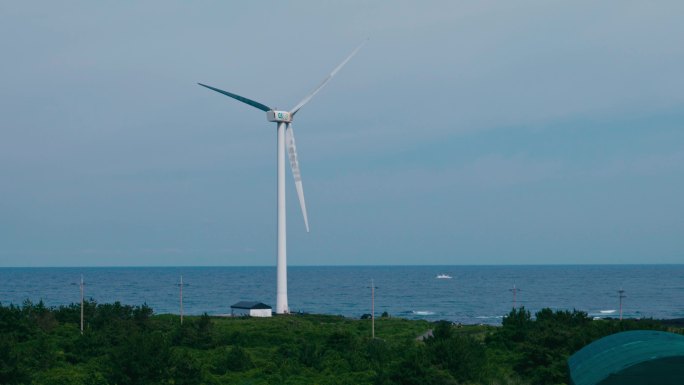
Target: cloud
x: 641, y: 166
x: 499, y: 110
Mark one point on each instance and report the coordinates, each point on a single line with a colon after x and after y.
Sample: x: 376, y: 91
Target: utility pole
x: 181, y: 298
x: 82, y: 284
x: 373, y: 308
x: 515, y: 291
x: 621, y: 295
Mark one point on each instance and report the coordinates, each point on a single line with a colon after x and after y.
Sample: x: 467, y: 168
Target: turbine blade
x: 326, y: 80
x: 251, y: 102
x: 294, y: 164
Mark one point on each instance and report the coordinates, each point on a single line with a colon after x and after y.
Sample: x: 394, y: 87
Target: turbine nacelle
x: 278, y: 116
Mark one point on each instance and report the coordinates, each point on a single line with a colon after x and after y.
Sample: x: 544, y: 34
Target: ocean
x: 474, y: 294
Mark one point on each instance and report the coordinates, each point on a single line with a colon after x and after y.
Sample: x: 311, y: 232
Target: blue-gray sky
x: 464, y: 132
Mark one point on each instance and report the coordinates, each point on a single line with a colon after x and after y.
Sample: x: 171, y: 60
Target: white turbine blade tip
x: 294, y: 165
x: 325, y: 81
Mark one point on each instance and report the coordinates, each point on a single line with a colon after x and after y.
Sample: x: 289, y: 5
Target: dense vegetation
x: 129, y: 345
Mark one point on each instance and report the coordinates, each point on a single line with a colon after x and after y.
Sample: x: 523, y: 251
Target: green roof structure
x: 642, y: 357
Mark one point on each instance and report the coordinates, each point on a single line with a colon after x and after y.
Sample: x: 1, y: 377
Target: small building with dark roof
x: 251, y: 308
x: 641, y: 357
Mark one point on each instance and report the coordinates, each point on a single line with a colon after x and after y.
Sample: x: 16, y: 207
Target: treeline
x: 129, y: 345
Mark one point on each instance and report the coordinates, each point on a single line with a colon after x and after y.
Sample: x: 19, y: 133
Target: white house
x: 251, y: 308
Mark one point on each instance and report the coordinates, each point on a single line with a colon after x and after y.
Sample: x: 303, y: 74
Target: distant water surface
x: 475, y: 294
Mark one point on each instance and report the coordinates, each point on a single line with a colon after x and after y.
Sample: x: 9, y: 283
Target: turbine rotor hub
x: 278, y: 116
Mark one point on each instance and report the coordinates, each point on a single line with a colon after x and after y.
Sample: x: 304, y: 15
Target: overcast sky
x: 464, y: 132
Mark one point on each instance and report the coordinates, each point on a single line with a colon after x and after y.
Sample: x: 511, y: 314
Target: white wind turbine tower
x: 286, y: 137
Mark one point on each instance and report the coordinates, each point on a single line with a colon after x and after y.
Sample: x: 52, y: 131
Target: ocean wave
x: 423, y: 312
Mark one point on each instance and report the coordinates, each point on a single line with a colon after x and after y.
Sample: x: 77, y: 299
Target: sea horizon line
x: 342, y: 265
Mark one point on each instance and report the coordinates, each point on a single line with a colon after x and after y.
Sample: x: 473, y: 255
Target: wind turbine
x: 283, y: 119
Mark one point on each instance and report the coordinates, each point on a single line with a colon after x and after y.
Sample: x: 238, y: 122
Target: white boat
x: 443, y: 276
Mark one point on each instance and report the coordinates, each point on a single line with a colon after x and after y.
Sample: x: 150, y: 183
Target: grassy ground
x: 129, y: 345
